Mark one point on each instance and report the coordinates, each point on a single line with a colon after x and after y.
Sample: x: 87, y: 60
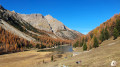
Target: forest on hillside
x: 10, y: 43
x: 110, y: 28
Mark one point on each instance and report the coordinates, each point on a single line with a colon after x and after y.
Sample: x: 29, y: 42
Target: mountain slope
x: 37, y: 20
x: 10, y: 21
x: 50, y: 24
x: 60, y: 29
x: 18, y: 34
x: 110, y: 28
x: 100, y: 57
x: 13, y: 19
x: 31, y: 31
x: 55, y: 24
x: 15, y: 31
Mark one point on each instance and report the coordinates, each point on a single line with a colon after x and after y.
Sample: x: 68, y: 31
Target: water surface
x: 60, y: 49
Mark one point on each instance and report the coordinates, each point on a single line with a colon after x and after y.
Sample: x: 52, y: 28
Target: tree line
x: 12, y: 43
x: 110, y: 28
x: 48, y: 42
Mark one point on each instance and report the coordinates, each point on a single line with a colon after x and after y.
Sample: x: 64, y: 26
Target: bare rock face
x: 50, y: 24
x: 67, y: 34
x: 37, y: 20
x: 55, y: 24
x: 61, y: 30
x: 11, y: 22
x: 46, y: 23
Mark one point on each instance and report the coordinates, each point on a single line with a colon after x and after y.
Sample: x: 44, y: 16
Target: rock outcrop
x: 37, y: 20
x: 55, y: 24
x: 61, y: 30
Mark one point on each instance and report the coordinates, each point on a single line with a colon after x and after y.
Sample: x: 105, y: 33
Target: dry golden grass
x: 24, y: 59
x: 99, y: 57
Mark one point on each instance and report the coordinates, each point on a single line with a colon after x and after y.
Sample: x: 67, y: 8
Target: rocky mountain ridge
x: 50, y: 24
x: 36, y: 24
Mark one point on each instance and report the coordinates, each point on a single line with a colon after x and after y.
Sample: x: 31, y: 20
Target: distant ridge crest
x: 1, y: 7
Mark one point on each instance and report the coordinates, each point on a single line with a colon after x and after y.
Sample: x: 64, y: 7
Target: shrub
x: 115, y: 33
x: 52, y: 58
x: 29, y: 46
x: 84, y: 47
x: 38, y: 46
x: 118, y: 25
x: 76, y: 44
x: 96, y: 44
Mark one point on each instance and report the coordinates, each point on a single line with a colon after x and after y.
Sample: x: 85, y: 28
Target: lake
x: 59, y: 49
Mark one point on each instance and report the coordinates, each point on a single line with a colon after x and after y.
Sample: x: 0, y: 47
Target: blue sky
x: 80, y: 15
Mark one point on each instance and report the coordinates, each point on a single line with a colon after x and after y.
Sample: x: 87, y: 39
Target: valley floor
x: 102, y: 56
x: 24, y: 59
x: 99, y: 57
